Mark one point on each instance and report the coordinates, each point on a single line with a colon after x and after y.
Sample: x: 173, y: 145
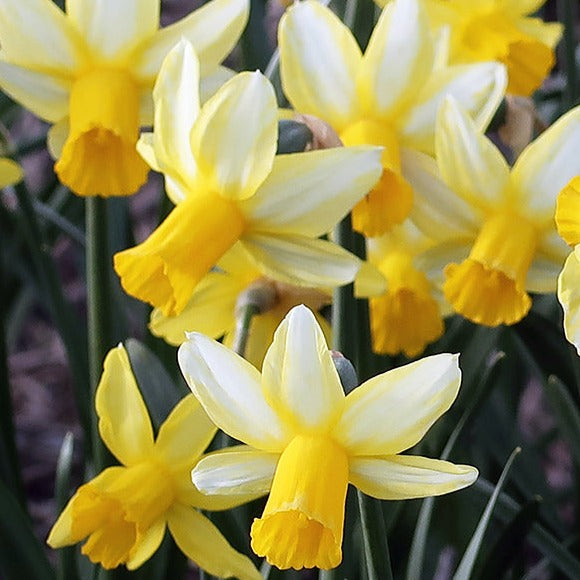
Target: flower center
x: 167, y: 266
x: 489, y: 286
x: 99, y: 156
x: 391, y: 200
x: 407, y: 317
x: 301, y: 526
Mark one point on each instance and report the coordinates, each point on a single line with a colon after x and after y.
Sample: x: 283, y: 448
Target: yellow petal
x: 165, y: 269
x: 10, y: 172
x: 568, y: 212
x: 569, y: 297
x: 124, y: 422
x: 202, y: 542
x: 146, y: 545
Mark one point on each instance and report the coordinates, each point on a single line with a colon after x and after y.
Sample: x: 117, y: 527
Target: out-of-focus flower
x: 221, y: 168
x: 90, y: 71
x: 124, y: 511
x: 10, y: 172
x: 499, y: 222
x: 305, y: 440
x: 389, y: 96
x: 568, y: 222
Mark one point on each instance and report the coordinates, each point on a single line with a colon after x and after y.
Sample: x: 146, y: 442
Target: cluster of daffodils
x: 449, y: 227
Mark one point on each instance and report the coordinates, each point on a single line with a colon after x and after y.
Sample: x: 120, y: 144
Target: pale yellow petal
x: 10, y: 172
x: 146, y: 545
x: 569, y: 297
x: 211, y: 83
x: 124, y: 422
x: 203, y: 543
x: 319, y: 58
x: 408, y: 477
x: 548, y: 261
x: 234, y: 138
x: 57, y: 136
x: 392, y: 412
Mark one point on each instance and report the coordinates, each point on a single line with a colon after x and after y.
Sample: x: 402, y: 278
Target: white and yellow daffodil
x: 568, y: 222
x: 499, y: 224
x: 305, y: 440
x: 124, y: 511
x: 221, y: 170
x: 90, y: 71
x: 389, y: 96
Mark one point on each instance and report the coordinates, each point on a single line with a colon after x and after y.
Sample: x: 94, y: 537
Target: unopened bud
x: 521, y: 121
x: 345, y: 370
x: 324, y: 136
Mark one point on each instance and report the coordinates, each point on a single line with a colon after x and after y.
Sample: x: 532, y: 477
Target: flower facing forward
x: 124, y: 511
x: 568, y: 222
x: 90, y: 71
x: 305, y: 440
x: 498, y: 224
x: 221, y: 169
x: 388, y: 96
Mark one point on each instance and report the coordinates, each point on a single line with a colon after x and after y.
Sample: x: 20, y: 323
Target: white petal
x: 228, y: 387
x: 309, y: 193
x: 319, y: 58
x: 300, y: 260
x: 112, y: 27
x: 408, y: 477
x: 392, y: 412
x: 547, y: 263
x: 237, y: 470
x: 569, y: 297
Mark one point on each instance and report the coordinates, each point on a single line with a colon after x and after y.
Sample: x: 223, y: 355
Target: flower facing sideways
x: 90, y: 71
x: 305, y: 440
x: 222, y: 171
x: 123, y: 512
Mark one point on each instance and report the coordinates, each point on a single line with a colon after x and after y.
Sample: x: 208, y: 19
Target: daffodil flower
x: 90, y: 71
x: 221, y: 169
x: 10, y: 172
x: 409, y: 314
x: 568, y: 222
x: 124, y: 511
x: 502, y: 30
x: 389, y: 96
x: 305, y: 440
x: 499, y: 224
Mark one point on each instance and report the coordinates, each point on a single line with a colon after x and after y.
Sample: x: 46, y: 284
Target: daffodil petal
x: 469, y: 162
x: 147, y: 545
x: 37, y: 35
x: 211, y: 83
x: 229, y: 389
x: 302, y: 261
x: 111, y: 28
x: 391, y: 412
x: 10, y: 172
x: 214, y: 29
x: 203, y: 543
x: 548, y: 164
x: 478, y: 88
x: 522, y: 7
x: 437, y: 211
x: 340, y: 177
x: 399, y: 57
x: 185, y: 434
x: 548, y: 261
x: 408, y: 476
x: 176, y: 97
x: 57, y: 136
x: 234, y: 138
x: 124, y: 422
x: 319, y: 58
x: 569, y: 297
x: 299, y: 378
x: 433, y: 261
x: 237, y: 470
x: 46, y: 95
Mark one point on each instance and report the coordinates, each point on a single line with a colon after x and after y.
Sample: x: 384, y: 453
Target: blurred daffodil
x: 221, y: 169
x: 124, y: 511
x: 90, y: 71
x: 568, y: 222
x: 389, y: 96
x: 305, y: 440
x: 498, y: 224
x: 10, y: 172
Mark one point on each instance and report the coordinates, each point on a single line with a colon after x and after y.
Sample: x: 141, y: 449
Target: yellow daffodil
x: 500, y: 223
x: 212, y: 308
x: 409, y: 315
x: 568, y: 222
x: 124, y: 511
x: 90, y: 71
x: 305, y: 440
x: 389, y: 96
x: 221, y: 169
x: 502, y: 30
x: 10, y: 172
